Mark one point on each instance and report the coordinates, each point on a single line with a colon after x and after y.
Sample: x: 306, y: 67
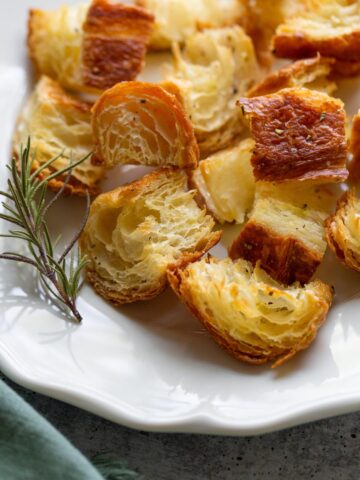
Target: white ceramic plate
x: 151, y: 365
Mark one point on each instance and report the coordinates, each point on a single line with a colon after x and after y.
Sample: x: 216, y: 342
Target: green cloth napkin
x: 31, y: 449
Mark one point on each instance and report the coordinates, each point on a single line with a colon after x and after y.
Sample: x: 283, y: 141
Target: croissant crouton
x: 355, y: 148
x: 142, y: 123
x: 346, y: 69
x: 311, y: 73
x: 343, y: 230
x: 176, y: 20
x: 225, y: 182
x: 213, y: 71
x: 254, y: 318
x: 285, y: 231
x: 90, y: 47
x: 330, y: 27
x: 299, y: 134
x: 58, y: 122
x: 263, y: 17
x: 136, y: 231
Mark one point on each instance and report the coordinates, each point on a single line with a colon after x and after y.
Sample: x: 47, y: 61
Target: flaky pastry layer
x: 252, y: 317
x: 135, y: 232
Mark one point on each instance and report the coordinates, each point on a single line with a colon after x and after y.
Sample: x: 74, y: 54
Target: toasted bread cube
x: 285, y: 231
x: 225, y: 182
x: 311, y: 73
x: 330, y: 27
x: 299, y: 134
x: 176, y: 20
x: 142, y: 123
x: 90, y: 47
x: 135, y: 232
x: 58, y: 122
x: 254, y: 318
x: 213, y: 71
x: 343, y: 230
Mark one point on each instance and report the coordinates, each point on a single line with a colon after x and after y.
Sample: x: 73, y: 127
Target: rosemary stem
x: 70, y: 303
x: 26, y: 190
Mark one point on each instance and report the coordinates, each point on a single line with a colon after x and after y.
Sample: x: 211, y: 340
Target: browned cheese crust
x: 291, y: 75
x: 115, y: 42
x: 340, y: 238
x: 285, y: 258
x: 299, y: 134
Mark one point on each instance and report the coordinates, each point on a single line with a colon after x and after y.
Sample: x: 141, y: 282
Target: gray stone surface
x: 326, y: 450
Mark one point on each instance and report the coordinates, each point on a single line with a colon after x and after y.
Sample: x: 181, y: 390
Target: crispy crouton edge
x: 115, y: 42
x: 132, y: 295
x: 335, y: 238
x: 240, y: 350
x: 286, y: 259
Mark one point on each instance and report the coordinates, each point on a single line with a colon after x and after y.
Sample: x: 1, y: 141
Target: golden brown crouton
x: 215, y: 68
x: 90, y: 47
x: 58, y: 122
x: 299, y: 134
x: 225, y: 182
x: 135, y: 232
x: 355, y: 149
x: 262, y: 19
x: 343, y: 230
x: 311, y: 73
x: 346, y: 69
x: 254, y: 318
x: 142, y: 123
x: 285, y: 231
x: 177, y: 20
x: 330, y: 27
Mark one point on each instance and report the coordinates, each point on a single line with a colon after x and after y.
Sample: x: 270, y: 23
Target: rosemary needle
x: 25, y: 208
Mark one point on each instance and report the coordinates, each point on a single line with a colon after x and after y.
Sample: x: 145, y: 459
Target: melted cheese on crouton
x: 250, y: 315
x: 135, y: 232
x: 213, y: 71
x: 225, y: 182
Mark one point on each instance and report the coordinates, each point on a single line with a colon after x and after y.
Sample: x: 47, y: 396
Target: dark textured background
x: 326, y: 450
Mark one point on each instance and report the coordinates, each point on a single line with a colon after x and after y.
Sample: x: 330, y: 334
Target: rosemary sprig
x: 26, y: 208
